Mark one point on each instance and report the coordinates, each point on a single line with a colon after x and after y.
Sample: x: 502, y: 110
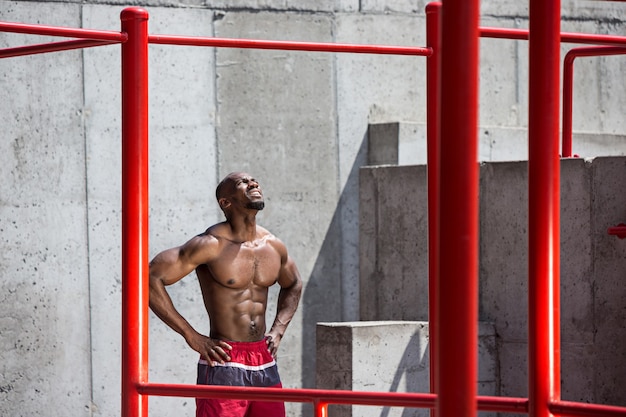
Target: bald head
x: 228, y: 188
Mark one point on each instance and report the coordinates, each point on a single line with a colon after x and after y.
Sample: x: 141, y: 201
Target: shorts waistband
x: 248, y: 345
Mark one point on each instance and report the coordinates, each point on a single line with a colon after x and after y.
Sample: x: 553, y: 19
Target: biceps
x: 169, y: 266
x: 289, y: 275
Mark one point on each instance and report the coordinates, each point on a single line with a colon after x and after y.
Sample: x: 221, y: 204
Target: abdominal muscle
x: 236, y: 314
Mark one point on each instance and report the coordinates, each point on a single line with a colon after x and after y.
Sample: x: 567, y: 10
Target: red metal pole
x: 321, y: 408
x: 51, y: 47
x: 566, y: 37
x: 61, y: 31
x: 288, y: 45
x: 544, y: 205
x: 568, y: 87
x: 134, y: 211
x: 577, y: 409
x: 433, y: 93
x: 457, y: 287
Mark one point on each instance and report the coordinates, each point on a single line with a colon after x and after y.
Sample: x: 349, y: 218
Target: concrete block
x: 404, y: 143
x: 591, y: 261
x: 387, y: 356
x: 577, y: 383
x: 396, y: 245
x: 513, y: 363
x: 502, y: 144
x: 590, y: 145
x: 577, y: 258
x: 503, y: 237
x: 382, y: 143
x: 373, y: 356
x: 609, y: 209
x: 398, y: 143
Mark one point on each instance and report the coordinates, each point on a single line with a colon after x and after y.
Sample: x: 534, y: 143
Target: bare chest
x: 240, y: 265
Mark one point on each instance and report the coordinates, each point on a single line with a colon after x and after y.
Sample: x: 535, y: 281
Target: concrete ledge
x: 388, y: 356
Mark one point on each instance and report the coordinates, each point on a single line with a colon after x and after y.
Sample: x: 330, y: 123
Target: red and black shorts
x: 251, y: 365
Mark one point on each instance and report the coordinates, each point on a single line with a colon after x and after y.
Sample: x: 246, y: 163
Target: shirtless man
x: 236, y: 262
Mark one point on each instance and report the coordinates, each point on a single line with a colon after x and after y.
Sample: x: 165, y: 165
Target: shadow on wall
x: 407, y: 363
x: 325, y: 296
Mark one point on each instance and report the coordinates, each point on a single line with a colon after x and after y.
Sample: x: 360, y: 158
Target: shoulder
x: 216, y: 232
x: 273, y: 241
x: 207, y: 241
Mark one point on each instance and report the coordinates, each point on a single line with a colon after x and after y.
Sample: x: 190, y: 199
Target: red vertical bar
x: 568, y: 98
x: 457, y: 288
x: 433, y: 93
x: 321, y: 408
x: 544, y: 206
x: 134, y: 211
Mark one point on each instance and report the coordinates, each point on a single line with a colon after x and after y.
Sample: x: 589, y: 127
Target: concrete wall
x: 298, y: 121
x: 592, y: 267
x: 389, y: 356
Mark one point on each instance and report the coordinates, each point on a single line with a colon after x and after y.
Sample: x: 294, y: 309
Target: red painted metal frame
x: 568, y: 87
x: 543, y: 208
x: 86, y: 38
x: 457, y: 284
x: 51, y: 47
x: 289, y: 46
x: 619, y: 230
x: 392, y: 399
x: 453, y: 182
x: 565, y: 37
x: 134, y: 211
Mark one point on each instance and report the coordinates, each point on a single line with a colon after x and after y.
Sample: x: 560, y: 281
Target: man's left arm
x: 288, y: 298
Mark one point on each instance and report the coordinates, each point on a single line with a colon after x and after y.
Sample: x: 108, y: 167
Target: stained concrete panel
x: 394, y: 268
x: 182, y: 177
x: 44, y: 306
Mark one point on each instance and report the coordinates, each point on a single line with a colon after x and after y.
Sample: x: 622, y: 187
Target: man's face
x: 246, y: 190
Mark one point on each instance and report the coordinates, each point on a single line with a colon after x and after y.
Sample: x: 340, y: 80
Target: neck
x: 243, y: 227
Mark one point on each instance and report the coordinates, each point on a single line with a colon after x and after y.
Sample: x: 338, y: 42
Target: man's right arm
x: 169, y: 267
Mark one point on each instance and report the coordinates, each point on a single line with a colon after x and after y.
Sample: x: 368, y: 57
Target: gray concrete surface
x: 592, y: 267
x: 388, y: 356
x: 298, y: 121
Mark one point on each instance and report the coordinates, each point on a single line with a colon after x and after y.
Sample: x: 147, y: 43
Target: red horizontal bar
x: 288, y: 45
x: 51, y: 47
x: 576, y: 409
x: 391, y: 399
x: 619, y: 230
x: 566, y: 37
x: 399, y: 399
x: 62, y: 31
x: 503, y: 404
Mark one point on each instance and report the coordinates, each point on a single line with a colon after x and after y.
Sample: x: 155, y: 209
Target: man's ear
x: 224, y: 203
